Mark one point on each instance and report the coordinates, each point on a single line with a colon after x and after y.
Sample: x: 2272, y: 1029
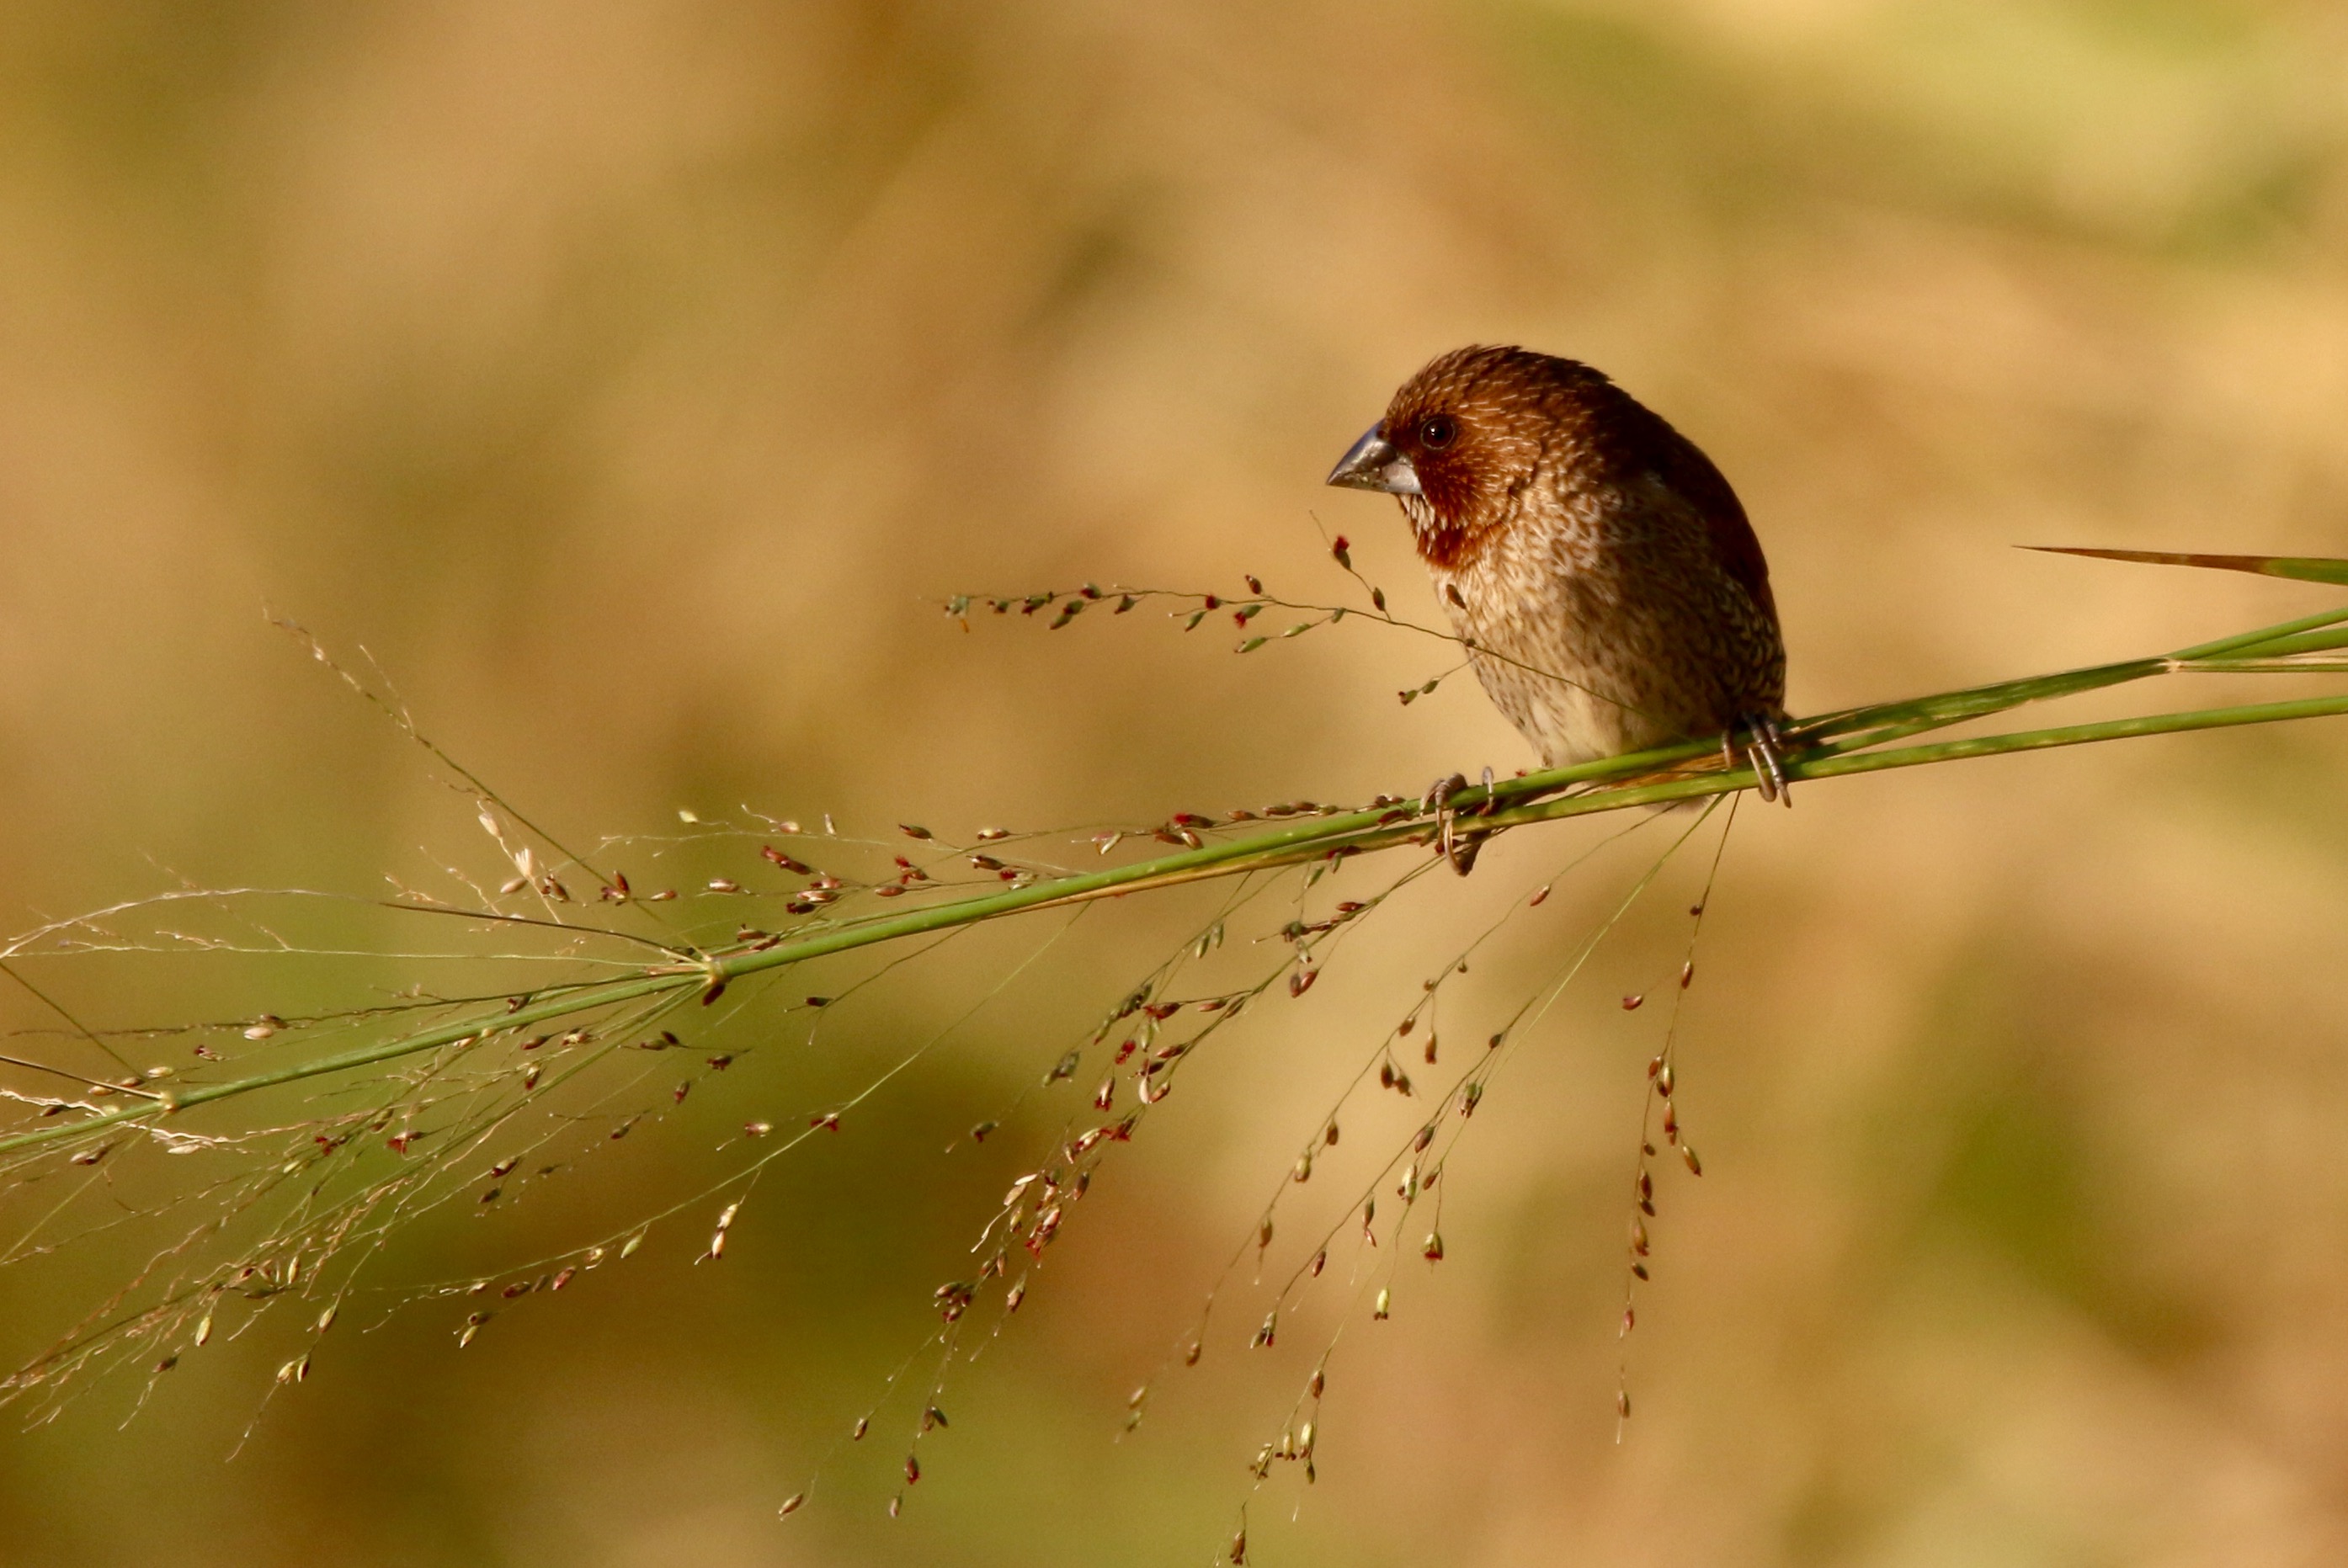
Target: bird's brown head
x: 1465, y: 436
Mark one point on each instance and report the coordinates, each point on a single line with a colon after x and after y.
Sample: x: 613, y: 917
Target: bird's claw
x: 1765, y: 748
x: 1459, y: 848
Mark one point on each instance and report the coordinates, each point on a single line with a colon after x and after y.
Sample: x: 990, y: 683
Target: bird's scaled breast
x: 1536, y: 622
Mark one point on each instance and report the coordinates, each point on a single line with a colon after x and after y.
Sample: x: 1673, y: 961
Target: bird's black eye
x: 1437, y: 432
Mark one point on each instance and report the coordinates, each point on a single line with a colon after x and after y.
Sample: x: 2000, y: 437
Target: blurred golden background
x: 632, y: 379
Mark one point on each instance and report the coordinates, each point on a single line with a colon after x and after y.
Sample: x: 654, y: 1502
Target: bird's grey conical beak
x: 1375, y: 464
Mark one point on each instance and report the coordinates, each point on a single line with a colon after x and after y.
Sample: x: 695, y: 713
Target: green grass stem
x: 1548, y: 796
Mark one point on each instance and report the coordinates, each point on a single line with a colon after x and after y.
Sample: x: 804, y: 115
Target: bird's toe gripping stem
x: 1763, y: 745
x: 1459, y: 845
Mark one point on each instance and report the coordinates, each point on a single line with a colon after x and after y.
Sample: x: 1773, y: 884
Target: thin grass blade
x: 2305, y: 568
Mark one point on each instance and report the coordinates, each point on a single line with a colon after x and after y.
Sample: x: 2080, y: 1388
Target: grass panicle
x: 540, y: 1023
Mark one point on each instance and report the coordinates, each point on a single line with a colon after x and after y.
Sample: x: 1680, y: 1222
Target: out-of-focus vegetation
x: 626, y: 377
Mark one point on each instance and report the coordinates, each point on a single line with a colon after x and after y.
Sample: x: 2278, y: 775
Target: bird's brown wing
x: 1683, y: 468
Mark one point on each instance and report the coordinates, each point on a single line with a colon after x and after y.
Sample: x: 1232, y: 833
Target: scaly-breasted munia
x: 1596, y: 566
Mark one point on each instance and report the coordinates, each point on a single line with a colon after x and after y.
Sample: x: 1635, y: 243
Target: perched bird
x: 1596, y: 566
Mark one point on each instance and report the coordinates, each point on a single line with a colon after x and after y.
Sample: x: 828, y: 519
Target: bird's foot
x: 1763, y: 745
x: 1458, y: 847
